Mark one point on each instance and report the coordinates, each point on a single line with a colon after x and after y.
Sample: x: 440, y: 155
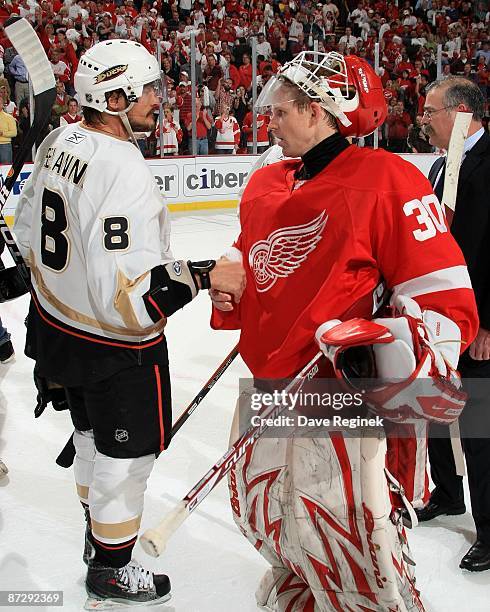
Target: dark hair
x: 459, y: 90
x: 91, y: 115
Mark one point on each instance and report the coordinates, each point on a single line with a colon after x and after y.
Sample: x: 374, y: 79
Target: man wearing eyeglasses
x: 470, y: 226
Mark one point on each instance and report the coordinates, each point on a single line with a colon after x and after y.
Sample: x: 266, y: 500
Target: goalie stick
x: 29, y: 47
x: 154, y: 540
x: 450, y: 192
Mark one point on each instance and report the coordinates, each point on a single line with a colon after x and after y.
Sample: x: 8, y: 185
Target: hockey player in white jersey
x: 93, y: 227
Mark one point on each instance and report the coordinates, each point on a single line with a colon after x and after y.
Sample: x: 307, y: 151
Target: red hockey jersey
x: 316, y: 250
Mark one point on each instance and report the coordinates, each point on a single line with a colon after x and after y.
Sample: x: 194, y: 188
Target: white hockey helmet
x: 347, y: 87
x: 114, y: 64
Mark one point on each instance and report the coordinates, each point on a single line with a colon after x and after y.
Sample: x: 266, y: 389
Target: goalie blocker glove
x: 174, y: 285
x: 404, y: 364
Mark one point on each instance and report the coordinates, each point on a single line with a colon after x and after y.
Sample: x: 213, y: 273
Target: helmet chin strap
x: 123, y: 116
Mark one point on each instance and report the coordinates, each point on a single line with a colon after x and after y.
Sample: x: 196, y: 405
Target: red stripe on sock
x: 110, y: 547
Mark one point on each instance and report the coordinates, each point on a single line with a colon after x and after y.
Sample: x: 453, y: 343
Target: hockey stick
x: 449, y: 195
x: 220, y: 370
x: 154, y: 540
x: 29, y: 47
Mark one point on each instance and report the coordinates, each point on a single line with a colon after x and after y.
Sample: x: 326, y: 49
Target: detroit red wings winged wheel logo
x: 283, y: 251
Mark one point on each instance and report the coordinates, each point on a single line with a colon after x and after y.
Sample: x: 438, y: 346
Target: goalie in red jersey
x: 318, y: 235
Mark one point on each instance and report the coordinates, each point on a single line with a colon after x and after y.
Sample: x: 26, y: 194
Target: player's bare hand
x: 229, y: 277
x: 221, y: 301
x: 480, y: 347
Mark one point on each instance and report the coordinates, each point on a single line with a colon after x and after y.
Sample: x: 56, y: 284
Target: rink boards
x: 196, y: 183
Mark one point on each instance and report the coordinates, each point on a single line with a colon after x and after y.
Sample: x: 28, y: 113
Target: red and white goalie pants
x: 317, y: 507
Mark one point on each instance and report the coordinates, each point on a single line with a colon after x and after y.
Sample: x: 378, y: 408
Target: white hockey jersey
x: 228, y: 134
x: 172, y: 137
x: 92, y: 223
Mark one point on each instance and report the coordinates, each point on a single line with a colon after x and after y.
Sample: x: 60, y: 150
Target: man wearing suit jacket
x: 470, y: 226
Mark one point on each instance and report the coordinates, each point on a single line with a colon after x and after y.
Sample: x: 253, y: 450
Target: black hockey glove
x: 48, y: 392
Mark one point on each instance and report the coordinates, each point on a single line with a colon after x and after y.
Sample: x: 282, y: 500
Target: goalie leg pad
x: 172, y: 286
x: 319, y: 505
x: 281, y: 590
x: 407, y: 459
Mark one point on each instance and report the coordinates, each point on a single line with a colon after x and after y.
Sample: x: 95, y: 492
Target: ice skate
x: 131, y: 585
x: 3, y: 469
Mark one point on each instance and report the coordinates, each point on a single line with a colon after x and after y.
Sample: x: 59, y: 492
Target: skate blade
x: 93, y: 603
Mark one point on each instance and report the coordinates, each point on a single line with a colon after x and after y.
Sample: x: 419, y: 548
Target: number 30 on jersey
x: 429, y: 215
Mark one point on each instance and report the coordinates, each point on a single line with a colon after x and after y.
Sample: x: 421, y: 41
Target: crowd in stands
x: 409, y: 32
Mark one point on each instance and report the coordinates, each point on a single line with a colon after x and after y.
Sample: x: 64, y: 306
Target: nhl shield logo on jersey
x: 283, y: 251
x: 121, y: 435
x: 110, y: 73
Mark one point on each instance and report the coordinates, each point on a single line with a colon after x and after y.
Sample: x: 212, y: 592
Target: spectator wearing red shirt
x: 183, y: 100
x: 398, y: 122
x: 129, y: 8
x: 403, y: 80
x: 275, y: 35
x: 481, y: 76
x: 47, y: 36
x: 262, y: 131
x: 245, y: 71
x: 272, y: 63
x: 231, y: 71
x: 227, y: 32
x: 6, y: 10
x: 211, y: 76
x: 404, y: 64
x: 390, y: 92
x: 232, y: 6
x: 69, y: 56
x: 203, y: 124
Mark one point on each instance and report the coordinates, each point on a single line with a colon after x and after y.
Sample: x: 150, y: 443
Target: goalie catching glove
x: 405, y: 364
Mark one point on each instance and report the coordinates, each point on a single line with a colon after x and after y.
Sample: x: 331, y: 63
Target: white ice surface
x: 212, y: 567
